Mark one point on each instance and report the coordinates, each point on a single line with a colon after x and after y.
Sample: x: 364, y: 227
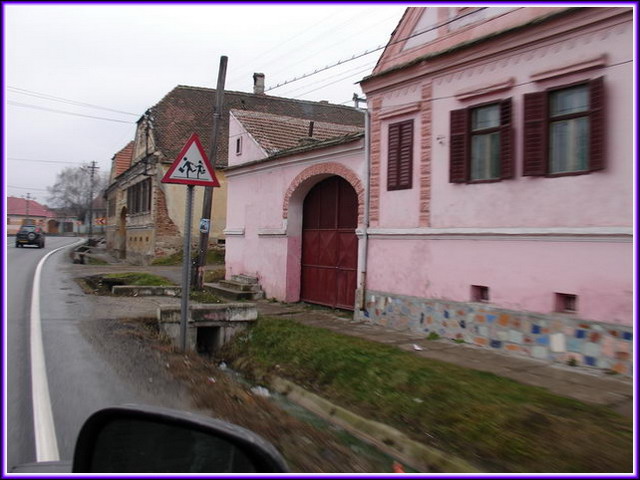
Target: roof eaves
x: 331, y: 142
x: 469, y: 43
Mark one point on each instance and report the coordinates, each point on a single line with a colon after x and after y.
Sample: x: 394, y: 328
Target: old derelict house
x: 146, y: 217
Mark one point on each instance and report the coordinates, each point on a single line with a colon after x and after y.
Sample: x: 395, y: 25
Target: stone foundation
x: 554, y: 337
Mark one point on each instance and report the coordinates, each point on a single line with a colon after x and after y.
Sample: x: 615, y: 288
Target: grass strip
x: 495, y: 423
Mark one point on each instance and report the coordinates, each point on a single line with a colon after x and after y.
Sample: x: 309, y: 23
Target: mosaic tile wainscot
x: 557, y: 338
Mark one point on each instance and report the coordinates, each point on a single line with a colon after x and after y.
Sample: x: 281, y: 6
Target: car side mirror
x: 140, y: 439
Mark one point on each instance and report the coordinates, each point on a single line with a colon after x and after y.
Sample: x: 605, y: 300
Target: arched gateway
x: 330, y: 244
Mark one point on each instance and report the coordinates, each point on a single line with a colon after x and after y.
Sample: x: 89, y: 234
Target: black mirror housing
x: 141, y: 439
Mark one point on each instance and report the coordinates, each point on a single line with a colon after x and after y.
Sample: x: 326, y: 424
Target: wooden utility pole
x: 207, y: 203
x: 93, y: 167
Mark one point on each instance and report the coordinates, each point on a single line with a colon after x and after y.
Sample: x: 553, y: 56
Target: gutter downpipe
x: 362, y: 260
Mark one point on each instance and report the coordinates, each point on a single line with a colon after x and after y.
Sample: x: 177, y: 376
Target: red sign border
x: 203, y: 183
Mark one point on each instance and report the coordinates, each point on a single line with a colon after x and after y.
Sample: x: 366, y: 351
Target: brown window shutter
x: 459, y: 146
x: 405, y: 160
x: 535, y: 154
x: 506, y: 140
x: 393, y: 156
x: 597, y: 125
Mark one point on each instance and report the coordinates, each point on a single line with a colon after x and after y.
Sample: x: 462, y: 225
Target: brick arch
x: 326, y: 169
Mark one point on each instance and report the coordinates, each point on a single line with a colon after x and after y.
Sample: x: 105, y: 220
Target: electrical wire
x: 28, y: 188
x: 369, y: 52
x: 42, y: 161
x: 45, y: 96
x: 26, y: 105
x: 366, y: 66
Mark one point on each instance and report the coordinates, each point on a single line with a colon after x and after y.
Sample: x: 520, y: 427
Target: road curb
x: 387, y: 439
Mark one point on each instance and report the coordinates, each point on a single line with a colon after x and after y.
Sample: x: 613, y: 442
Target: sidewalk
x: 581, y: 383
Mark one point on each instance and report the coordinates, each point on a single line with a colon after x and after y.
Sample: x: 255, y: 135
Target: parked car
x: 30, y: 235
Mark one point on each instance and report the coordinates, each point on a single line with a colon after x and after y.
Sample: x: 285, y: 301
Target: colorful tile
x: 574, y: 344
x: 535, y: 329
x: 543, y: 340
x: 515, y: 336
x: 557, y: 343
x: 480, y: 341
x: 539, y: 352
x: 591, y: 349
x: 496, y: 344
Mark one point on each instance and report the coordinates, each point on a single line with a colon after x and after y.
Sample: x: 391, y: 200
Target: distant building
x: 21, y: 211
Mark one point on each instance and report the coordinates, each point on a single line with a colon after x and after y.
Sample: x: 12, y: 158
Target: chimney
x: 258, y: 83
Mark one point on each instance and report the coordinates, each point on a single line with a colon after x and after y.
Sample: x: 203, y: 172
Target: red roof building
x: 27, y: 208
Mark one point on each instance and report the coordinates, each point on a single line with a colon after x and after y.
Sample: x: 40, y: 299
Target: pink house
x: 295, y: 200
x: 501, y: 186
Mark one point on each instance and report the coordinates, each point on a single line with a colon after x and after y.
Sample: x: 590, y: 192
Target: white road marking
x: 43, y: 426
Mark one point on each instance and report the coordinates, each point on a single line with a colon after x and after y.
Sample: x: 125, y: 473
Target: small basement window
x: 566, y: 303
x: 479, y: 293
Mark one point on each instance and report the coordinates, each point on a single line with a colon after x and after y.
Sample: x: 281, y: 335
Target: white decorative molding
x: 272, y: 232
x: 558, y: 234
x: 593, y: 62
x: 303, y: 158
x: 230, y: 232
x: 395, y: 112
x: 486, y: 89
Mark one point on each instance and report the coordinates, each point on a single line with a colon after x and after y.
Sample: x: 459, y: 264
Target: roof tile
x: 280, y: 132
x: 186, y: 110
x: 18, y: 206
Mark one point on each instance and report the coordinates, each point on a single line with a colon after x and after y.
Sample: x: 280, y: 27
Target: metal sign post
x: 191, y: 167
x: 186, y: 269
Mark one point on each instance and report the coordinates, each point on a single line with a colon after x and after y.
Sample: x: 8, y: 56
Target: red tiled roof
x: 279, y: 132
x: 186, y: 110
x: 122, y: 160
x: 18, y: 206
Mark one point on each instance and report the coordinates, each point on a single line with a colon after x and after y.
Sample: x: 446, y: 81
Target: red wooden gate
x: 330, y: 244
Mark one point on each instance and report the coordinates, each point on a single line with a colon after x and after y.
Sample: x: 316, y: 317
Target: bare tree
x: 72, y: 190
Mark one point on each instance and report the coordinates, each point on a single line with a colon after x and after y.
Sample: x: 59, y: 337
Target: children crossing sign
x: 191, y: 166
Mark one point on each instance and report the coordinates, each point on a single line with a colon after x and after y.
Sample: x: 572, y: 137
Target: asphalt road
x: 86, y: 370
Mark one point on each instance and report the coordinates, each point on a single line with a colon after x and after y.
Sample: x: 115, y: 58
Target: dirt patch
x: 305, y: 447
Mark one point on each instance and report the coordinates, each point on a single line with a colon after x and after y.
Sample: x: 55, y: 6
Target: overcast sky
x: 127, y: 57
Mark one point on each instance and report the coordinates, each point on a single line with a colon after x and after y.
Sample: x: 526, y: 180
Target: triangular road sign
x: 191, y: 166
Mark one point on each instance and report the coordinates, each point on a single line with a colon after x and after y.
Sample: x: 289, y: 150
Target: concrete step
x: 243, y: 287
x: 246, y: 279
x: 233, y: 294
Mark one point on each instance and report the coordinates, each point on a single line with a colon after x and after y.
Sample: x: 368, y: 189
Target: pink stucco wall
x: 523, y: 274
x: 265, y: 203
x: 599, y: 199
x: 249, y: 151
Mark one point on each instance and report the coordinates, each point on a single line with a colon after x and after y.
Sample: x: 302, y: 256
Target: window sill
x: 489, y: 180
x: 568, y: 174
